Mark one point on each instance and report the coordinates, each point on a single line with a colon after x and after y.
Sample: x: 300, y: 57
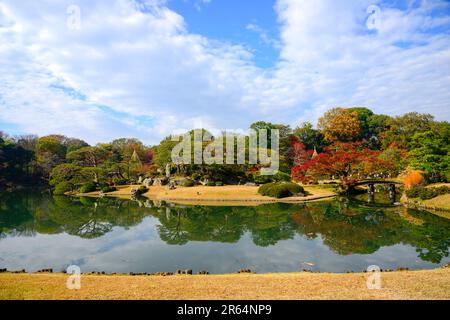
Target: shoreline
x: 419, y: 284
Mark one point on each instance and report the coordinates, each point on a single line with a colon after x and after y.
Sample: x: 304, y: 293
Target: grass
x: 223, y: 195
x: 427, y: 284
x: 235, y: 194
x: 439, y: 202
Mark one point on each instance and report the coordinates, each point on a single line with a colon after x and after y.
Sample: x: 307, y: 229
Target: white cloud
x: 138, y: 59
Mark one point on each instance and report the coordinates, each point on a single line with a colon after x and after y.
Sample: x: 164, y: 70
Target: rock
x: 148, y: 182
x: 245, y: 271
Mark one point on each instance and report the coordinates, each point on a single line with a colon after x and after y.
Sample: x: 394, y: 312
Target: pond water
x: 39, y: 231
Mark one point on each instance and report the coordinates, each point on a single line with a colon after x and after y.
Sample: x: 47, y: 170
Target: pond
x: 39, y: 231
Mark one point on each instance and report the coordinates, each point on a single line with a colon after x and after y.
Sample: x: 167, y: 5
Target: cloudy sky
x: 104, y: 69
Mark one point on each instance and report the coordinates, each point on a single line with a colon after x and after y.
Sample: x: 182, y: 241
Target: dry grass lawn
x: 229, y: 193
x: 224, y: 195
x: 430, y: 284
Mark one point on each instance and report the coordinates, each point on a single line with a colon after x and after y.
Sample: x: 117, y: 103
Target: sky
x: 104, y: 69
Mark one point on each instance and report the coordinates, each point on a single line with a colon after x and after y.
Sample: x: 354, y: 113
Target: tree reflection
x: 344, y: 226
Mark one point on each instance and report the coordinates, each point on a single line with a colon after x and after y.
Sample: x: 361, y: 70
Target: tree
x: 284, y: 143
x: 90, y: 157
x: 340, y: 125
x: 348, y: 161
x: 50, y: 152
x: 403, y: 128
x: 67, y: 172
x: 310, y: 137
x: 364, y: 116
x: 14, y: 162
x: 430, y: 151
x: 299, y: 154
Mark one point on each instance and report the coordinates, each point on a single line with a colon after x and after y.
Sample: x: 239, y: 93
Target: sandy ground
x: 430, y: 284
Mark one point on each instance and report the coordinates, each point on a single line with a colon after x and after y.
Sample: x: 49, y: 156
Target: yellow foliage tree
x: 340, y: 124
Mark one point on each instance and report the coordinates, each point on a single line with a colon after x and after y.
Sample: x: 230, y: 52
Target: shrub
x: 262, y: 179
x: 196, y: 176
x: 427, y: 193
x: 107, y: 189
x: 412, y: 178
x: 88, y: 187
x: 211, y: 184
x: 281, y: 176
x: 141, y: 190
x: 120, y: 182
x: 63, y: 187
x: 280, y: 190
x: 219, y: 183
x: 277, y: 177
x: 188, y: 183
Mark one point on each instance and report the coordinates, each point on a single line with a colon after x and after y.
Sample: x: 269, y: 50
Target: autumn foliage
x: 412, y: 178
x: 347, y: 161
x: 340, y: 124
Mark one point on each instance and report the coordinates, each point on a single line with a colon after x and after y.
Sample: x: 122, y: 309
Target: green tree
x: 430, y: 151
x: 310, y: 137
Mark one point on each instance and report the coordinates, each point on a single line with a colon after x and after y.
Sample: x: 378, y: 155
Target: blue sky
x: 151, y: 68
x: 252, y: 23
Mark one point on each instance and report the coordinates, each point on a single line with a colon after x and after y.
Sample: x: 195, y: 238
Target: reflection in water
x: 338, y: 234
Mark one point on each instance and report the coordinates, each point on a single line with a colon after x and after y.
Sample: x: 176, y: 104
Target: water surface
x: 39, y: 231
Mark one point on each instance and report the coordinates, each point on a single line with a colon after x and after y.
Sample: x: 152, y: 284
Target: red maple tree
x: 347, y: 161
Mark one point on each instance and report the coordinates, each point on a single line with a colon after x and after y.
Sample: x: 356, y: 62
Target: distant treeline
x: 347, y: 142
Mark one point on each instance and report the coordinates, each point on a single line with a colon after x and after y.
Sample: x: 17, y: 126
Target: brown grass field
x: 403, y: 285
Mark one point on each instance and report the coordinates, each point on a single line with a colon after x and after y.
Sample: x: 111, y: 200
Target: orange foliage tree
x: 412, y: 178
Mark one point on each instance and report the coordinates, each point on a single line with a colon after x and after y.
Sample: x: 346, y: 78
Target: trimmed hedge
x: 427, y: 193
x: 280, y: 190
x: 88, y: 187
x: 277, y: 177
x: 63, y: 187
x: 141, y: 190
x: 188, y: 183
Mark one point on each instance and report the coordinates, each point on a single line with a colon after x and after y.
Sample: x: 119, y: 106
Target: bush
x: 219, y: 184
x: 277, y: 177
x: 196, y: 176
x: 188, y: 183
x: 88, y: 187
x: 211, y: 184
x: 120, y: 182
x: 141, y: 190
x: 63, y: 187
x: 412, y: 178
x: 427, y: 193
x: 281, y: 176
x: 107, y: 189
x: 280, y: 190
